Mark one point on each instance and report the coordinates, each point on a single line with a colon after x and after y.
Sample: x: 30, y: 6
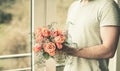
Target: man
x: 94, y: 26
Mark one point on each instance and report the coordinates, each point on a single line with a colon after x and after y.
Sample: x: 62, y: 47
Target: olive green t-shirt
x: 84, y: 23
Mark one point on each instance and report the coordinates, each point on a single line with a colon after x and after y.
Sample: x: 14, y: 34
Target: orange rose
x: 59, y: 39
x: 59, y: 45
x: 45, y: 32
x: 38, y: 38
x: 38, y: 35
x: 37, y: 48
x: 52, y: 53
x: 38, y: 31
x: 49, y: 47
x: 57, y: 33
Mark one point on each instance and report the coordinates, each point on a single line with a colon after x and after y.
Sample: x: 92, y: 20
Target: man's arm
x: 110, y: 37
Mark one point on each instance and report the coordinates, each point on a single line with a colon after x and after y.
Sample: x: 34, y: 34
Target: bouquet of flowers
x: 48, y: 42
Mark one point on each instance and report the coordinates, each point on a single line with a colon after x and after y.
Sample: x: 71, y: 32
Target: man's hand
x: 69, y: 50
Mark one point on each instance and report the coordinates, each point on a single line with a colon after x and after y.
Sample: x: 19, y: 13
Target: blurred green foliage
x: 5, y: 17
x: 6, y: 3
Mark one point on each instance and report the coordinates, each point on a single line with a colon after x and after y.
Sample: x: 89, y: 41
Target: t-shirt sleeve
x: 110, y: 15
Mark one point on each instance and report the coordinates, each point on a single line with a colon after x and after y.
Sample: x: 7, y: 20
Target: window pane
x: 15, y: 33
x: 8, y: 64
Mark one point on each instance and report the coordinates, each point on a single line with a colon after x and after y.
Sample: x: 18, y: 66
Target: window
x: 15, y: 35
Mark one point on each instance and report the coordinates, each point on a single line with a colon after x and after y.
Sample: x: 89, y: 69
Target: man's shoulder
x: 104, y: 2
x: 75, y: 2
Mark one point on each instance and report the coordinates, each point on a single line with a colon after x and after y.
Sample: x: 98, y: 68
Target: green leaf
x: 46, y: 56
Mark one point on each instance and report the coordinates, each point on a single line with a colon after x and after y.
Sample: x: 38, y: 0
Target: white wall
x: 118, y: 57
x: 118, y: 50
x: 39, y: 13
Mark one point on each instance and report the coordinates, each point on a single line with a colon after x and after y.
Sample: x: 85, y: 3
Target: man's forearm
x: 96, y: 52
x: 105, y: 50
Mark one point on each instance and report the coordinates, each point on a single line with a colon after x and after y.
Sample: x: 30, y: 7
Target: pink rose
x: 37, y: 48
x: 38, y: 38
x: 45, y: 32
x: 38, y: 35
x: 49, y: 47
x: 52, y: 53
x: 38, y: 30
x: 59, y: 39
x: 59, y: 45
x: 57, y: 33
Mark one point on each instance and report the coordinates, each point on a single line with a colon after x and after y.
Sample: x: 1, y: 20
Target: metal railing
x: 16, y: 56
x: 20, y: 69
